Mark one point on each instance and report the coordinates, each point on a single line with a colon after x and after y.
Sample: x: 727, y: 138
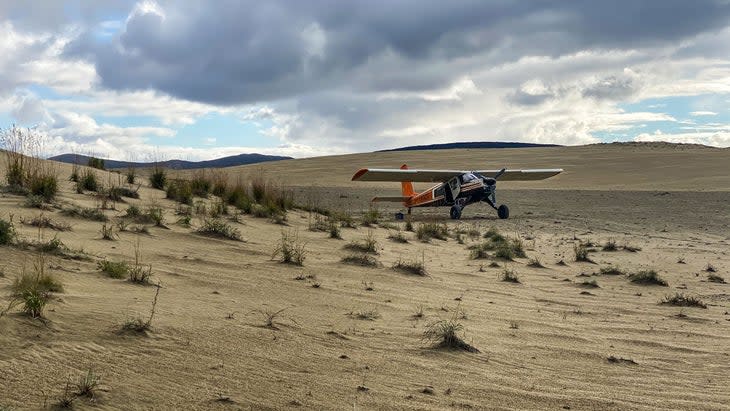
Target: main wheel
x: 455, y: 212
x: 503, y: 212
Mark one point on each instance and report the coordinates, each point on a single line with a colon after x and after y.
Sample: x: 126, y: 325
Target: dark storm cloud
x: 228, y: 52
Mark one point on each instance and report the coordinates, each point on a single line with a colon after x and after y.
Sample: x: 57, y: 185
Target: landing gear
x: 503, y: 212
x: 455, y: 212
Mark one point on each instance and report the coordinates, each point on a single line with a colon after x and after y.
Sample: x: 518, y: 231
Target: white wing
x: 437, y: 176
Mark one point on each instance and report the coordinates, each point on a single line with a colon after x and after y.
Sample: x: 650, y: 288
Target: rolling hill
x: 230, y: 161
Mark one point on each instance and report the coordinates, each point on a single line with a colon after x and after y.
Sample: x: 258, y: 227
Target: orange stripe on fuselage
x: 427, y: 197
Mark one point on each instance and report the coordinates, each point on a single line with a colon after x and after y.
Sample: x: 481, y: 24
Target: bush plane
x: 456, y: 188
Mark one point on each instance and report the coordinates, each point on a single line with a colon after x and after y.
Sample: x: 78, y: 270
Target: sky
x: 194, y: 80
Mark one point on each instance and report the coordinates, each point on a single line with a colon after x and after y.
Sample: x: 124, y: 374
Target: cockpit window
x: 468, y: 177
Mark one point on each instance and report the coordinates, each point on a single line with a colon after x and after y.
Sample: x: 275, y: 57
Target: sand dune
x: 545, y: 343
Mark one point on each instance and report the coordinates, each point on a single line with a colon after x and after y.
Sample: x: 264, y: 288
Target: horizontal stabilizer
x: 394, y: 199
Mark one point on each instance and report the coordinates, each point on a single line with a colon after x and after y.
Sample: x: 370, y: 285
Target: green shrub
x: 200, y: 185
x: 180, y: 191
x: 131, y: 175
x: 44, y: 186
x: 158, y: 178
x: 7, y: 232
x: 89, y: 181
x: 96, y: 163
x: 114, y: 269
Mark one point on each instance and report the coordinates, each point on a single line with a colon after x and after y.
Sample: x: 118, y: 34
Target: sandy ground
x: 544, y: 343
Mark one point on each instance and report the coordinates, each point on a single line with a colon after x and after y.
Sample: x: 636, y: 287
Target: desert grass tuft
x: 368, y: 314
x: 139, y: 325
x: 710, y: 268
x: 413, y: 267
x: 714, y: 278
x: 426, y: 231
x: 364, y: 260
x: 7, y: 232
x: 610, y: 270
x: 93, y: 214
x: 139, y: 273
x: 647, y: 277
x: 447, y: 334
x: 590, y: 284
x: 218, y: 228
x: 610, y: 245
x: 509, y: 276
x: 535, y: 263
x: 581, y: 253
x: 290, y: 250
x: 158, y: 178
x: 371, y: 217
x: 681, y: 300
x: 398, y: 237
x: 43, y: 221
x: 367, y: 245
x: 114, y: 269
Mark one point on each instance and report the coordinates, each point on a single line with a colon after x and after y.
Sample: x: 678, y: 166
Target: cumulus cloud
x: 358, y: 75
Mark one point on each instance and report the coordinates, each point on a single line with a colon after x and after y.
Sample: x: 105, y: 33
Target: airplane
x: 456, y: 188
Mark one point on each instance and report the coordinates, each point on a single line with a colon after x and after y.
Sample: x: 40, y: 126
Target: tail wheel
x: 455, y: 212
x: 503, y: 212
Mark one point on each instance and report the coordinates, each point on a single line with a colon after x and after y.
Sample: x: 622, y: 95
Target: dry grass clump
x: 138, y: 325
x: 714, y: 278
x: 447, y: 334
x: 369, y: 315
x: 590, y: 284
x: 218, y: 228
x: 139, y: 273
x: 681, y: 300
x: 290, y: 250
x: 86, y: 213
x: 43, y: 221
x: 426, y: 231
x: 158, y: 178
x: 610, y: 270
x: 398, y: 237
x: 180, y: 191
x: 33, y: 289
x: 647, y: 277
x: 107, y: 232
x: 710, y: 268
x: 114, y: 269
x: 509, y: 276
x: 581, y: 253
x: 25, y: 172
x: 610, y: 245
x: 500, y: 246
x: 414, y: 267
x: 371, y: 217
x: 535, y: 263
x: 367, y: 245
x: 364, y: 260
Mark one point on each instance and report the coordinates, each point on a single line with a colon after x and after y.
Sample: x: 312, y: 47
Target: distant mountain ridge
x: 230, y: 161
x: 474, y: 144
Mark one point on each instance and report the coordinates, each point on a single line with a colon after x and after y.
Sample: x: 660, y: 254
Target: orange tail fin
x: 407, y: 186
